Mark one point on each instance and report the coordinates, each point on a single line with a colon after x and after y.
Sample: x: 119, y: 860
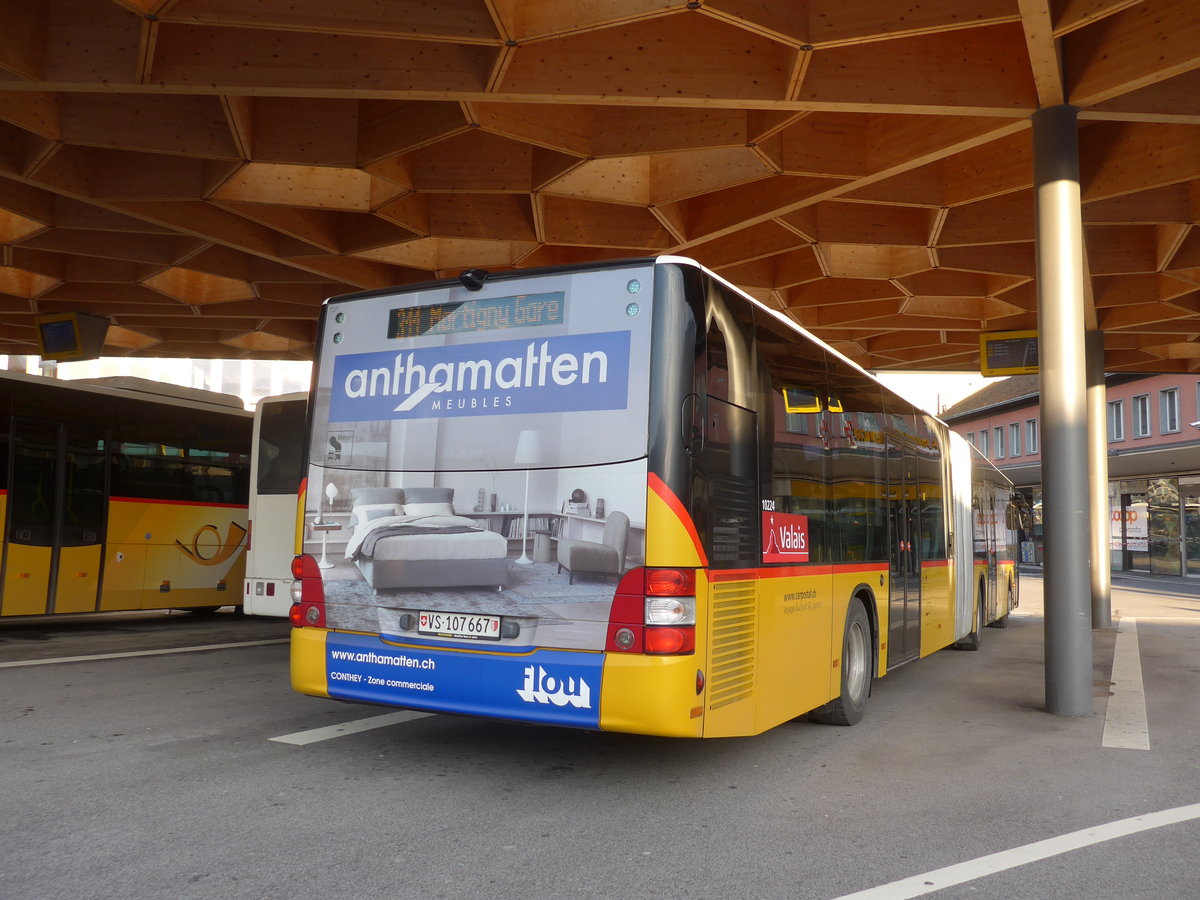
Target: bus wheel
x: 972, y: 640
x: 1002, y: 622
x: 857, y: 657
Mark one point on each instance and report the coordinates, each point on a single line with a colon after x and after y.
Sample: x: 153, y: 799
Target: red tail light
x: 671, y: 582
x: 669, y: 640
x: 308, y: 593
x: 642, y: 622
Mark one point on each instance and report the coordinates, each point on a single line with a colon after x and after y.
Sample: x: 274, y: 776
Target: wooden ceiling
x: 206, y: 172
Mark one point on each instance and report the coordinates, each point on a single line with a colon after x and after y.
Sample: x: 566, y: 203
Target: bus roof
x: 136, y: 389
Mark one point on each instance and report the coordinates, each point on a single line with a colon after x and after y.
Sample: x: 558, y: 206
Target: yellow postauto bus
x: 120, y: 494
x: 625, y: 497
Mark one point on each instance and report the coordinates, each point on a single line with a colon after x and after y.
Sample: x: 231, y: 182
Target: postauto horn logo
x: 566, y: 373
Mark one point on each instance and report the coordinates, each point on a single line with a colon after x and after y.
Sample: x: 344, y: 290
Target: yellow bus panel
x: 308, y: 661
x: 26, y: 580
x: 626, y: 703
x: 78, y: 579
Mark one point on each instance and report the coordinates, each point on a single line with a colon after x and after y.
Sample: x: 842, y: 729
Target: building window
x: 1031, y: 436
x: 1141, y: 416
x: 971, y: 438
x: 1014, y: 439
x: 983, y: 442
x: 796, y: 423
x: 999, y: 443
x: 1168, y: 411
x: 1116, y: 420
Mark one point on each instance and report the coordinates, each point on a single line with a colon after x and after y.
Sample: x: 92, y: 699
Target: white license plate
x: 460, y: 625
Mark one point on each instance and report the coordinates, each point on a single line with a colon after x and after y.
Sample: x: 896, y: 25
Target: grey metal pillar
x: 1101, y: 529
x: 1066, y: 513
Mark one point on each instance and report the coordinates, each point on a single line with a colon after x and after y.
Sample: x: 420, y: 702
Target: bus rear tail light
x: 654, y: 613
x: 308, y: 593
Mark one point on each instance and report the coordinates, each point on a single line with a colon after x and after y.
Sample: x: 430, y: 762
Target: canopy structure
x: 205, y: 172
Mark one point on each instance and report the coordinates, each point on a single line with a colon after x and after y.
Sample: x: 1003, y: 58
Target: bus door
x: 56, y: 503
x: 904, y: 601
x: 991, y: 541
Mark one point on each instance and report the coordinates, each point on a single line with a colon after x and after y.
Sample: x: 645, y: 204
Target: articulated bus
x: 275, y: 473
x: 626, y: 497
x: 120, y: 494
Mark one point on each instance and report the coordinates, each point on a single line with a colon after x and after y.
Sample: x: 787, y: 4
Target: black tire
x: 858, y: 657
x: 973, y: 640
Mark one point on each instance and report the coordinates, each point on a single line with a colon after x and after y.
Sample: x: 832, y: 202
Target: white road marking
x: 1125, y: 725
x: 20, y: 663
x: 300, y: 738
x: 940, y: 879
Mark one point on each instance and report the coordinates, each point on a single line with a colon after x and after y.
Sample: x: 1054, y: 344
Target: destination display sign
x: 489, y: 314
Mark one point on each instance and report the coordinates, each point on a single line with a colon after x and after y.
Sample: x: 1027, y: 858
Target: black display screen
x: 492, y: 314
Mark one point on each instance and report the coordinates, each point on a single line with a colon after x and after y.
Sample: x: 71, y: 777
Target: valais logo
x: 558, y: 374
x: 785, y: 537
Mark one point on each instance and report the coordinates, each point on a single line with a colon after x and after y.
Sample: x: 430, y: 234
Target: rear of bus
x: 443, y: 418
x: 276, y: 469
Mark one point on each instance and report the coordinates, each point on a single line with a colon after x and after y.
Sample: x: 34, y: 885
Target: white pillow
x: 375, y: 511
x: 429, y: 509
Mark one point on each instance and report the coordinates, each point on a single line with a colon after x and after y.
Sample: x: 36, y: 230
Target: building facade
x: 1153, y: 437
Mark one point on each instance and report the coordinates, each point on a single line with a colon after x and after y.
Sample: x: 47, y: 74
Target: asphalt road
x: 157, y: 776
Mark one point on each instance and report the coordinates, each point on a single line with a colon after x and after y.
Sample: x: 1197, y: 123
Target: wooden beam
x: 1169, y: 101
x: 446, y: 20
x: 320, y: 228
x: 1045, y: 57
x: 34, y: 111
x: 755, y: 242
x: 1001, y: 259
x: 989, y: 170
x: 1005, y: 219
x: 493, y: 217
x: 1116, y: 250
x: 23, y: 38
x: 601, y: 224
x: 239, y: 60
x: 654, y: 59
x: 825, y: 144
x: 313, y: 187
x: 144, y: 248
x: 389, y: 127
x: 1118, y: 158
x: 239, y: 118
x: 94, y: 43
x: 184, y: 126
x: 967, y: 69
x: 830, y: 292
x: 537, y: 20
x: 1122, y: 290
x: 833, y: 23
x: 567, y: 128
x: 1114, y: 56
x: 476, y: 161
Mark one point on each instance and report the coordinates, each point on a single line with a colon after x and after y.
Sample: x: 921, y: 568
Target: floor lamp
x: 529, y: 453
x: 326, y: 525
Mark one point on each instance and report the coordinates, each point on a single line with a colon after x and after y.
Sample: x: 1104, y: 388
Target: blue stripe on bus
x: 554, y: 687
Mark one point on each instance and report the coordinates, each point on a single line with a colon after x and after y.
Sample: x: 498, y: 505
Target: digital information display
x: 493, y: 314
x: 1008, y: 353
